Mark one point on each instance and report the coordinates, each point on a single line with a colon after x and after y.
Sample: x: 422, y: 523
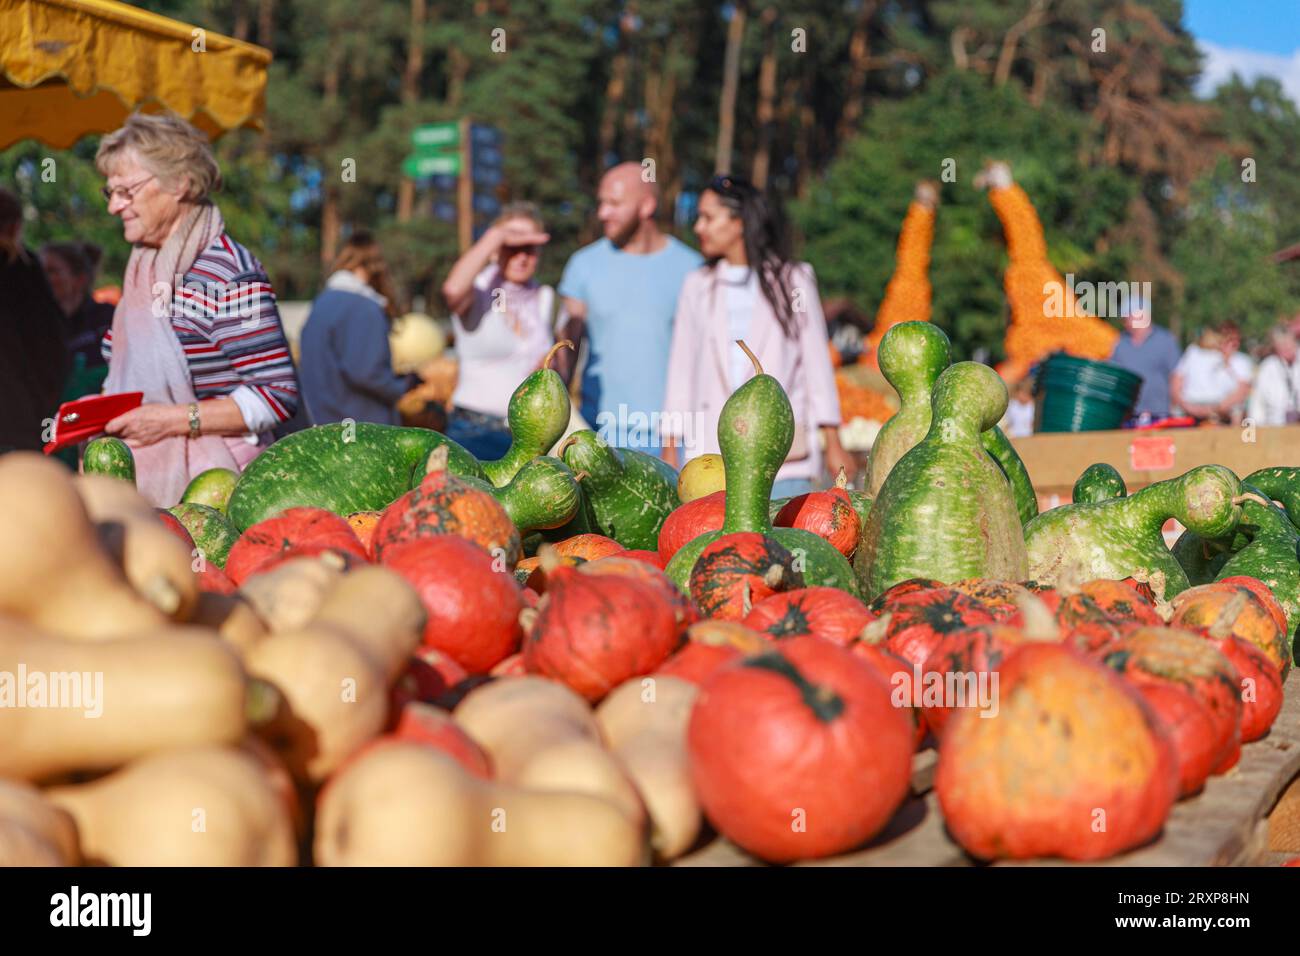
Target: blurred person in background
x: 620, y: 292
x: 1150, y: 351
x: 504, y: 323
x: 70, y: 267
x: 750, y: 289
x: 1018, y: 422
x: 1213, y: 378
x: 1275, y: 397
x: 346, y: 364
x: 196, y: 329
x: 33, y: 350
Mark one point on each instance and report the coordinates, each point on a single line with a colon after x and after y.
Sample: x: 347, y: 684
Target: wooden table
x: 1055, y: 460
x: 1224, y: 825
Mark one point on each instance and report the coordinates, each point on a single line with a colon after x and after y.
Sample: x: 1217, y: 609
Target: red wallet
x: 86, y: 417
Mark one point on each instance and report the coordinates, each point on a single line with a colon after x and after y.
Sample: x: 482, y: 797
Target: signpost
x: 464, y: 155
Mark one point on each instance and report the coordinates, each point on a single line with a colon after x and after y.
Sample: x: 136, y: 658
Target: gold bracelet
x: 194, y: 419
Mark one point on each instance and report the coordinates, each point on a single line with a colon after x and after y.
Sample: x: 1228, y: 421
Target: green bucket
x: 1080, y: 395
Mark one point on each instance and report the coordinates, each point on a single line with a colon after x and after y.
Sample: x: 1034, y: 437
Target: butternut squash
x: 406, y: 804
x: 334, y: 674
x: 34, y: 832
x: 644, y: 723
x: 232, y: 617
x: 202, y: 806
x: 117, y: 700
x: 54, y: 572
x: 541, y: 736
x: 290, y: 594
x: 155, y: 560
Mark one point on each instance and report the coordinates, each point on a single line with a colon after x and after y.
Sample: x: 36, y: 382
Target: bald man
x: 621, y: 293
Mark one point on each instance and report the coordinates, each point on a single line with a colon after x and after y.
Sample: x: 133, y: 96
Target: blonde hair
x: 520, y: 209
x: 168, y: 147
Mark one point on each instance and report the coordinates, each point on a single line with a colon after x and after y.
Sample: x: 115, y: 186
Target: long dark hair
x: 767, y: 243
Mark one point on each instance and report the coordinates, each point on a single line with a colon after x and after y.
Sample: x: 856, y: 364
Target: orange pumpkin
x: 445, y: 504
x: 1199, y: 607
x: 363, y: 526
x: 1193, y: 688
x: 798, y: 753
x: 1002, y: 598
x: 1073, y: 765
x: 711, y: 645
x: 296, y: 531
x: 588, y: 547
x: 830, y: 613
x: 737, y: 571
x: 687, y: 522
x: 827, y: 514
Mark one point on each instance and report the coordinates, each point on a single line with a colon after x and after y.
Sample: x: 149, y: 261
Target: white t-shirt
x: 1019, y: 419
x: 741, y: 286
x: 1276, y: 393
x: 504, y: 334
x: 1209, y: 378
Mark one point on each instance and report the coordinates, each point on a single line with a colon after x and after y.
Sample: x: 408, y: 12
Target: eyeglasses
x: 126, y: 192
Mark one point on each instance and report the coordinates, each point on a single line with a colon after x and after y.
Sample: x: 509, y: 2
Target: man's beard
x: 625, y: 234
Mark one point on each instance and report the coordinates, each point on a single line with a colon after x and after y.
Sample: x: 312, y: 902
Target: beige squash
x: 542, y: 736
x: 33, y: 831
x: 54, y: 571
x: 289, y: 595
x: 644, y: 723
x: 407, y: 804
x: 335, y: 673
x: 204, y: 806
x: 233, y: 618
x: 156, y: 561
x: 172, y: 687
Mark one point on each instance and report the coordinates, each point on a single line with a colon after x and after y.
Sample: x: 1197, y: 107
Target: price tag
x: 1151, y: 454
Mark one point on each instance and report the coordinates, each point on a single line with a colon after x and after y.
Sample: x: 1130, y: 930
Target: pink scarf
x: 147, y: 357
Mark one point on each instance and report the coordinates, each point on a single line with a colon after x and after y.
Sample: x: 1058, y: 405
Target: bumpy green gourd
x: 213, y: 535
x: 755, y: 433
x: 110, y: 456
x: 1121, y: 537
x: 1099, y: 482
x: 912, y: 355
x: 344, y: 468
x: 537, y: 416
x: 542, y: 495
x: 1272, y: 554
x: 1202, y: 559
x: 946, y: 511
x: 1280, y: 484
x: 628, y: 493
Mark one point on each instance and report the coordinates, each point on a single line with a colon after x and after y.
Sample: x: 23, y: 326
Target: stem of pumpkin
x: 758, y: 368
x: 825, y: 704
x: 1222, y: 626
x: 562, y: 344
x: 564, y: 445
x: 437, y: 460
x: 1039, y: 623
x: 261, y: 702
x: 874, y: 633
x: 842, y: 480
x: 548, y: 559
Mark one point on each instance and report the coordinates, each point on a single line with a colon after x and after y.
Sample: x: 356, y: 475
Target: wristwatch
x: 194, y: 419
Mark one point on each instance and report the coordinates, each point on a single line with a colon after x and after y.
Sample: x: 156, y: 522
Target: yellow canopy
x: 73, y: 67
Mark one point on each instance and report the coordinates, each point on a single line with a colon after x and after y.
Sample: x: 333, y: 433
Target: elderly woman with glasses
x: 196, y: 329
x: 749, y: 289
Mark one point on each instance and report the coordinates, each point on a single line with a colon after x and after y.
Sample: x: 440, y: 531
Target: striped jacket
x: 224, y: 315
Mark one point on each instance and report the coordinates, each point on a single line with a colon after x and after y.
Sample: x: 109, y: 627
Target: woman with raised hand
x: 749, y: 289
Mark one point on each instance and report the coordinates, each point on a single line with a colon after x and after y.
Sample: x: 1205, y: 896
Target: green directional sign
x: 431, y: 165
x: 436, y: 136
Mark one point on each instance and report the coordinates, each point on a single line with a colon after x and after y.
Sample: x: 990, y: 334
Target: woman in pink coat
x: 749, y: 289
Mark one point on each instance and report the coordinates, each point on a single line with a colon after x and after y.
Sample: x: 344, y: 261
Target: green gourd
x: 755, y: 433
x: 946, y: 511
x: 1099, y: 482
x: 537, y: 416
x: 1272, y: 554
x: 628, y: 493
x: 212, y: 487
x: 344, y: 467
x: 213, y: 535
x: 1121, y: 537
x: 542, y: 495
x: 912, y: 356
x: 1280, y: 484
x: 110, y: 456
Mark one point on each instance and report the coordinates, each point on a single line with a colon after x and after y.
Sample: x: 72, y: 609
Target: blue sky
x: 1252, y: 37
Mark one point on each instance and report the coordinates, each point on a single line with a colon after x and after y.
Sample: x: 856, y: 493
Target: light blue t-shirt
x: 630, y: 303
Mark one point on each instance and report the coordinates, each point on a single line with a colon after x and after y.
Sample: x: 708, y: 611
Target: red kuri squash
x: 836, y: 615
x: 300, y: 531
x: 737, y: 571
